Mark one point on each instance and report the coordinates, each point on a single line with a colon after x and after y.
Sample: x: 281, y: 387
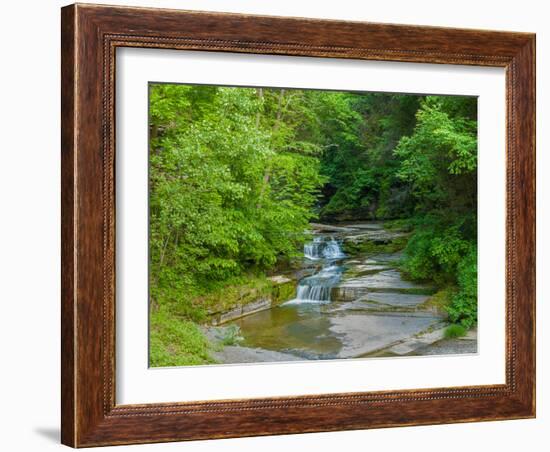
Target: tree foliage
x: 439, y: 162
x: 237, y: 174
x: 234, y: 177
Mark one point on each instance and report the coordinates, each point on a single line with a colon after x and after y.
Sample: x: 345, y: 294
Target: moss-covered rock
x: 283, y: 292
x: 246, y: 299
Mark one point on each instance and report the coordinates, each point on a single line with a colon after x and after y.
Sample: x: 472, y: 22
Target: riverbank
x: 348, y: 298
x: 357, y: 304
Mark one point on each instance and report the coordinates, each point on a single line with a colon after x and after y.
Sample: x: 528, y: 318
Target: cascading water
x: 323, y: 248
x: 312, y: 250
x: 317, y: 287
x: 332, y: 250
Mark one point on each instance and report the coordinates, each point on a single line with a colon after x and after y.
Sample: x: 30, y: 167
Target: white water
x: 332, y: 250
x: 317, y: 287
x: 312, y: 250
x: 323, y: 248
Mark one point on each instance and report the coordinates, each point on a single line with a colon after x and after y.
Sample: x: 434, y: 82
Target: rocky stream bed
x: 350, y: 303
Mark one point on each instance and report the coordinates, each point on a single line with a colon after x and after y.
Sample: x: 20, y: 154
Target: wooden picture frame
x: 90, y: 36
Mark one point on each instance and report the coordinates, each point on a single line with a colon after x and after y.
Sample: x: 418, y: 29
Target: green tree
x: 237, y: 174
x: 439, y: 161
x: 231, y: 185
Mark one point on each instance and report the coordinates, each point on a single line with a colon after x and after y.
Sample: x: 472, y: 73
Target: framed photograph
x: 281, y: 225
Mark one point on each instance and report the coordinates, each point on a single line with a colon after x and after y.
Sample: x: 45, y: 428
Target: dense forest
x: 238, y: 174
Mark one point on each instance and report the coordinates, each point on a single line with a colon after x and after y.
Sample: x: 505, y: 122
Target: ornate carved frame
x: 90, y: 36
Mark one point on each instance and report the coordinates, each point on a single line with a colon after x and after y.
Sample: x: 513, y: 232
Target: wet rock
x: 230, y: 315
x: 378, y: 237
x: 397, y: 299
x: 385, y: 302
x: 433, y: 342
x: 234, y: 354
x: 384, y: 281
x: 387, y: 257
x: 447, y: 347
x: 344, y: 293
x: 371, y: 309
x: 357, y: 305
x: 256, y: 306
x: 240, y: 311
x: 371, y: 226
x: 369, y: 268
x: 364, y: 334
x: 329, y: 228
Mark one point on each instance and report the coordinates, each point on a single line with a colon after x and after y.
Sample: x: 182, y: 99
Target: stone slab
x: 364, y: 334
x: 396, y: 299
x: 387, y: 279
x: 256, y: 306
x: 233, y: 354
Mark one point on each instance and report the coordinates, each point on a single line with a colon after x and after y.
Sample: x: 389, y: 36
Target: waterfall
x: 312, y: 250
x: 323, y: 248
x: 332, y: 250
x: 317, y: 287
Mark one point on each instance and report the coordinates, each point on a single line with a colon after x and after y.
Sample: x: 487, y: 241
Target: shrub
x: 446, y: 253
x: 232, y: 335
x: 176, y: 342
x: 436, y: 248
x: 463, y: 308
x: 455, y: 330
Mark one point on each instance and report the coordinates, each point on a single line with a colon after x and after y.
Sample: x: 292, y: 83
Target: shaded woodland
x: 238, y: 174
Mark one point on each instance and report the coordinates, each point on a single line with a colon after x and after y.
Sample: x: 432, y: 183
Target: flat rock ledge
x: 329, y: 228
x: 235, y: 354
x: 241, y: 311
x: 219, y: 318
x: 433, y: 342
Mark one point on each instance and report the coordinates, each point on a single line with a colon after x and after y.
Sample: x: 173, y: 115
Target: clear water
x: 312, y: 326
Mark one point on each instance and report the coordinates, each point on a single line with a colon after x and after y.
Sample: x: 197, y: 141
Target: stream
x: 346, y: 306
x: 317, y: 288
